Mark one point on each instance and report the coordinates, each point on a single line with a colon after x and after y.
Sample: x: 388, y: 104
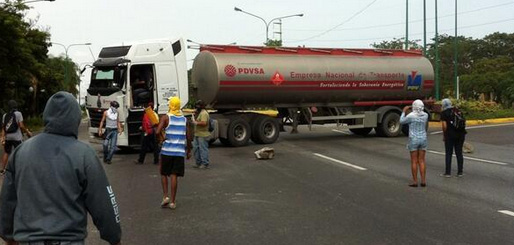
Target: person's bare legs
x: 164, y: 182
x: 422, y: 166
x: 414, y: 166
x: 173, y: 187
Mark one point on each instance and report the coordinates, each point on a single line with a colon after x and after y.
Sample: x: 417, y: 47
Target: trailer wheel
x: 361, y: 131
x: 238, y: 132
x: 390, y: 126
x: 265, y: 130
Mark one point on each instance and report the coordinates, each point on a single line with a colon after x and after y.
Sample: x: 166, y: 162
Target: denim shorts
x: 417, y: 144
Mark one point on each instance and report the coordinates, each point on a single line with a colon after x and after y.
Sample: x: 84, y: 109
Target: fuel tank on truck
x: 240, y: 77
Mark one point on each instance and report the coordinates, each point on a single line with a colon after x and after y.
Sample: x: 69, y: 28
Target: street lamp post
x: 33, y: 1
x: 66, y: 48
x: 263, y: 20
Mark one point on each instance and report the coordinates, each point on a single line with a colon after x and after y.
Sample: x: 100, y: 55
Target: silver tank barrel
x: 249, y: 80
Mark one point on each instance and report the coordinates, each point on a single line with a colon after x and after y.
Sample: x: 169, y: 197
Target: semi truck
x: 360, y: 89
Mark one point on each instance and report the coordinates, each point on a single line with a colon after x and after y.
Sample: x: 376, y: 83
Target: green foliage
x: 273, y: 43
x: 484, y: 65
x: 34, y: 123
x: 480, y: 110
x: 27, y: 75
x: 397, y: 43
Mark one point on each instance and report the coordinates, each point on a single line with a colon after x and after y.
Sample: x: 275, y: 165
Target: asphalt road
x: 325, y: 186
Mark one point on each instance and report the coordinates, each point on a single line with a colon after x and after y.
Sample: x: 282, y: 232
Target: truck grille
x: 95, y: 116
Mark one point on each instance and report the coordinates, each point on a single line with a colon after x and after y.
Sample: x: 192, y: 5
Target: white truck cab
x: 135, y: 74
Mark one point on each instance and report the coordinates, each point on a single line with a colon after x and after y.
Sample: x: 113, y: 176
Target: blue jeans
x: 111, y: 139
x: 201, y: 150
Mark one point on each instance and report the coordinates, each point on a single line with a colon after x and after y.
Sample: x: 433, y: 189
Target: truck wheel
x: 238, y: 132
x: 361, y: 131
x: 265, y: 130
x: 390, y: 126
x: 405, y: 129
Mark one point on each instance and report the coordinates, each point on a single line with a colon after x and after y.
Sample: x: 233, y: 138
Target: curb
x: 479, y: 122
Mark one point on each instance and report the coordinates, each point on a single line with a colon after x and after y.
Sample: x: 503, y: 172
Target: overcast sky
x: 326, y: 23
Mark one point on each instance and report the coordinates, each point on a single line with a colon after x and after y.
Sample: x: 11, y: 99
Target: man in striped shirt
x: 175, y: 148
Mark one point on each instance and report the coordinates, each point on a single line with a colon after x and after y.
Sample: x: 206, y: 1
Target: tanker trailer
x: 362, y: 89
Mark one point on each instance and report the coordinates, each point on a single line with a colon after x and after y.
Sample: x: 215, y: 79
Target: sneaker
x: 196, y: 166
x: 138, y: 162
x: 2, y: 172
x: 446, y: 175
x: 460, y: 175
x: 108, y: 162
x: 173, y: 205
x: 165, y: 202
x: 206, y: 167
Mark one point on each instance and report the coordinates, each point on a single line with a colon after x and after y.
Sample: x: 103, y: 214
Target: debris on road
x: 265, y: 153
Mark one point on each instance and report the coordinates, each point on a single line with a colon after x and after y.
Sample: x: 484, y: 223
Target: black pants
x: 457, y: 144
x: 149, y: 144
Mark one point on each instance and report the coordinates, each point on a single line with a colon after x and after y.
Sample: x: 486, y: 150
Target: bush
x: 34, y: 123
x: 482, y: 110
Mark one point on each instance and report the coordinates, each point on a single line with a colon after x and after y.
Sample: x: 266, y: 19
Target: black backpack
x: 10, y: 124
x: 457, y: 119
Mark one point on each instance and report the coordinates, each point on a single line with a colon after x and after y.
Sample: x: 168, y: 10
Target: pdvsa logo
x: 231, y: 70
x: 414, y: 81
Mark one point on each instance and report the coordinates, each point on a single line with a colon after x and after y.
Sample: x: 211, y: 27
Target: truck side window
x: 176, y: 47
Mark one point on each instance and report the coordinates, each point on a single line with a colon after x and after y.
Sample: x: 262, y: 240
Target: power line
x: 403, y: 23
x: 414, y: 34
x: 340, y: 24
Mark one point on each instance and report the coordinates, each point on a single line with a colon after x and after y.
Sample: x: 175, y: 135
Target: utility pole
x: 455, y: 62
x: 406, y: 24
x: 425, y: 27
x: 436, y: 56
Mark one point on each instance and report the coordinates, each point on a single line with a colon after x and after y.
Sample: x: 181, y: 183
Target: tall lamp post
x: 66, y: 48
x: 33, y: 1
x: 267, y: 23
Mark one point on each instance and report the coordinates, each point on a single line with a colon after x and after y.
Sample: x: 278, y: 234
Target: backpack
x: 457, y: 120
x: 211, y: 124
x: 10, y: 124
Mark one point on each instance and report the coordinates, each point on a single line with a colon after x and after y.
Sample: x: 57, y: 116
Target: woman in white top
x: 417, y: 146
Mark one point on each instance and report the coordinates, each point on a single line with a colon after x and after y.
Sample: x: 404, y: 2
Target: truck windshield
x: 107, y: 80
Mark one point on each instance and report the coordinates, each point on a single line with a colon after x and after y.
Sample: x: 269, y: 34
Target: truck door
x: 167, y: 85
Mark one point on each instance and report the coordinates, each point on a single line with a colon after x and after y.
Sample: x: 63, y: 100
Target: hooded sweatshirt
x: 417, y: 121
x: 53, y: 180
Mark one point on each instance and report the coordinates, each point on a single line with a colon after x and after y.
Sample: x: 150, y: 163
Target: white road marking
x: 480, y: 126
x: 340, y: 131
x: 340, y: 162
x: 472, y: 158
x: 507, y: 212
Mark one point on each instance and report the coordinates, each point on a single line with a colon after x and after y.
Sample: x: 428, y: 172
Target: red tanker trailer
x: 362, y: 89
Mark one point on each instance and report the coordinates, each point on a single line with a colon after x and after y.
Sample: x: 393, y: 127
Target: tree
x: 25, y: 68
x: 273, y: 43
x: 397, y: 43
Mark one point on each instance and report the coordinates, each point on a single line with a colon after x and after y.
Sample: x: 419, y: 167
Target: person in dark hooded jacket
x: 53, y: 180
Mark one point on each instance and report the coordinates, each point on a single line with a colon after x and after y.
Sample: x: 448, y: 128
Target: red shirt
x: 147, y: 125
